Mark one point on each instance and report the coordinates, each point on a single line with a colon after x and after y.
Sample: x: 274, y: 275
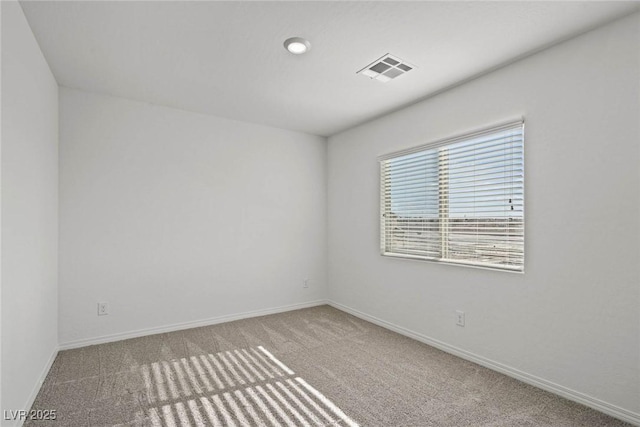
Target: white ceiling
x: 227, y: 58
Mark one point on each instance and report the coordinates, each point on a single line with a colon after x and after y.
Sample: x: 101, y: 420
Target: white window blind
x: 459, y: 200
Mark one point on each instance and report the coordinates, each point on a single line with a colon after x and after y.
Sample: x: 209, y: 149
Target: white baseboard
x: 36, y: 388
x: 187, y: 325
x: 576, y: 396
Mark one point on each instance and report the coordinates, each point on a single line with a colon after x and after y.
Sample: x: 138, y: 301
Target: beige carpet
x: 316, y: 366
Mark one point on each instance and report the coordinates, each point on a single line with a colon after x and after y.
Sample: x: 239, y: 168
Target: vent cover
x: 386, y: 68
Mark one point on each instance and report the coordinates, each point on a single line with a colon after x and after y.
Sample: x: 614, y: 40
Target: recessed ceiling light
x: 297, y: 45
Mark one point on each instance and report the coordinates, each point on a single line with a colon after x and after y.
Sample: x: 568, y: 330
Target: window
x: 459, y: 200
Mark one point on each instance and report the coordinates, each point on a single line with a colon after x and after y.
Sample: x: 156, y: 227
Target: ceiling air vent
x: 386, y: 68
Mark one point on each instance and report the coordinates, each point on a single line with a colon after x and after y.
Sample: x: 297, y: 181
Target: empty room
x: 320, y: 213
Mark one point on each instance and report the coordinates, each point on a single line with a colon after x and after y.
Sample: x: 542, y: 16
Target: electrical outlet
x: 460, y: 318
x: 103, y: 308
x: 305, y: 284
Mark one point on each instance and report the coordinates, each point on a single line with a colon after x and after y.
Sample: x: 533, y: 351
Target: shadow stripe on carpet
x: 241, y: 387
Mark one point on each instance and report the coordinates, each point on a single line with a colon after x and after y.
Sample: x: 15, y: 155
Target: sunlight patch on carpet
x: 242, y: 387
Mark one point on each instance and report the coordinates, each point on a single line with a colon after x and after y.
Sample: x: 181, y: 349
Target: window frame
x: 443, y: 142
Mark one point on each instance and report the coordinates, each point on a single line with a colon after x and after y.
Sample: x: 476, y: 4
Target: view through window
x: 459, y: 200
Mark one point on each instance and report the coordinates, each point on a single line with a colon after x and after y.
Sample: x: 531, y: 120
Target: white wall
x: 572, y: 318
x: 29, y: 188
x: 174, y: 217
